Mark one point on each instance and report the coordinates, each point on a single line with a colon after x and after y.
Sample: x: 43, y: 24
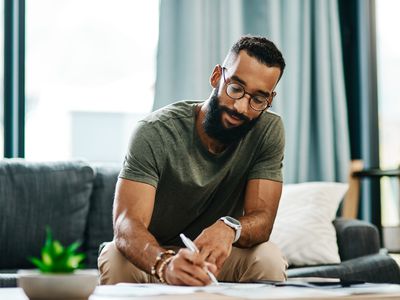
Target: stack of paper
x: 247, y: 290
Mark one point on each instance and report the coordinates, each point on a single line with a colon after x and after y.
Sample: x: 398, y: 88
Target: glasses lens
x: 259, y: 102
x: 235, y: 91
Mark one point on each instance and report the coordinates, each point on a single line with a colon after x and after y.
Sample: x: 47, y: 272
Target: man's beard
x: 213, y: 126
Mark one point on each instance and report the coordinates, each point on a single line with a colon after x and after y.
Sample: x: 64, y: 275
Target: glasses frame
x: 227, y: 83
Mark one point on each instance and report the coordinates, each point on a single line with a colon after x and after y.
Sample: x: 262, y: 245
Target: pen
x: 192, y: 247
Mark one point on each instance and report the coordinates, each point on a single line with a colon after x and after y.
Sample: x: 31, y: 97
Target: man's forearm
x: 137, y: 244
x: 256, y: 229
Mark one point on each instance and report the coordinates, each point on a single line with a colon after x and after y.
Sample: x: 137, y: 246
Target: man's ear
x: 216, y: 76
x: 271, y: 99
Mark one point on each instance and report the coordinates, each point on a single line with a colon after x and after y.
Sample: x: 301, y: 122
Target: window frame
x: 14, y: 78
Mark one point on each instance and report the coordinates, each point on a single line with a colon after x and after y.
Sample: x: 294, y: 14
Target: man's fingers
x: 197, y: 273
x: 186, y: 271
x: 189, y: 279
x: 217, y: 258
x: 210, y: 257
x: 220, y: 262
x: 215, y: 254
x: 192, y: 257
x: 183, y: 278
x: 211, y: 267
x: 205, y: 253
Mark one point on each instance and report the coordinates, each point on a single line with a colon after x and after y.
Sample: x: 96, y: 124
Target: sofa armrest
x: 376, y: 268
x: 356, y: 238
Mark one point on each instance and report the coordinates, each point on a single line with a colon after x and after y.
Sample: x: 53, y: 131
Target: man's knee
x: 265, y: 262
x: 108, y: 262
x: 114, y: 267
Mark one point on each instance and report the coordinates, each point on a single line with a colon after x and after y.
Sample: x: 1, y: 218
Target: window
x: 388, y: 47
x: 90, y: 72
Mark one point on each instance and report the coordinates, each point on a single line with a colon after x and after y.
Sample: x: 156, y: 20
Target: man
x: 210, y: 170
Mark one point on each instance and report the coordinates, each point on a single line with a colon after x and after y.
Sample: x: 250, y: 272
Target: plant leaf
x: 74, y: 260
x: 57, y: 248
x: 73, y: 247
x: 38, y: 263
x: 47, y: 258
x: 49, y: 237
x: 55, y: 258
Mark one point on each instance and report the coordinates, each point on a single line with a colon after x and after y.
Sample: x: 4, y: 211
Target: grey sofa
x: 75, y: 199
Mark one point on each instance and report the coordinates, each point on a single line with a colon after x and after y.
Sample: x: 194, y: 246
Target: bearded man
x: 211, y: 170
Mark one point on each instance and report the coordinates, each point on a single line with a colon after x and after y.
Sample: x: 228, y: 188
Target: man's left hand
x: 215, y: 243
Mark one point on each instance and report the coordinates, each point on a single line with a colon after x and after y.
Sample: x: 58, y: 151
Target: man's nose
x: 242, y: 105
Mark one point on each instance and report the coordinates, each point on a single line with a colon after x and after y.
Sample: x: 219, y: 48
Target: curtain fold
x: 195, y: 35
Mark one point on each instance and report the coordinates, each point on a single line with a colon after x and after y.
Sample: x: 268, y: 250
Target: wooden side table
x: 377, y: 174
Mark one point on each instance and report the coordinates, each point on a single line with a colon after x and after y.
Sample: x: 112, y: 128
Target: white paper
x: 152, y: 289
x: 121, y: 291
x: 244, y: 290
x: 288, y: 292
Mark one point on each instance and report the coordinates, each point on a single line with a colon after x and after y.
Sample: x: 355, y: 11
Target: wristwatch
x: 234, y: 224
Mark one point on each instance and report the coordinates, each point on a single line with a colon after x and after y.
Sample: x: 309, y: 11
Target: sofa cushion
x: 99, y: 226
x: 34, y: 195
x: 303, y: 226
x: 8, y: 278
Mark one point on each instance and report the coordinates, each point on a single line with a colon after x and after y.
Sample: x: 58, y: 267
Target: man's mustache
x: 234, y: 113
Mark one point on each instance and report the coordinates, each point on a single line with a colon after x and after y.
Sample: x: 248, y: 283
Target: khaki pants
x: 262, y: 262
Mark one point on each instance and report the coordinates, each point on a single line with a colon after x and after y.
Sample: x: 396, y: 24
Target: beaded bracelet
x: 160, y: 257
x: 160, y: 272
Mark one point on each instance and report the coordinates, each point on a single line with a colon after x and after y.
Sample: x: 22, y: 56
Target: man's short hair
x: 260, y: 48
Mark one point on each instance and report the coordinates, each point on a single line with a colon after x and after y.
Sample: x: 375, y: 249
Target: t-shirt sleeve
x: 269, y: 161
x: 143, y: 161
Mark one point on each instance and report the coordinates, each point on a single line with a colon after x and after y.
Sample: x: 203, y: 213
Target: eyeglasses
x: 237, y: 91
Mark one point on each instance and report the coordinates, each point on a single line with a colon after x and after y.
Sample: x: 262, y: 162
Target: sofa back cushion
x: 34, y: 195
x: 99, y: 225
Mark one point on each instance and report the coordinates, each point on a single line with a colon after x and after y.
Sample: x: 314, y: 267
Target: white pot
x: 77, y: 285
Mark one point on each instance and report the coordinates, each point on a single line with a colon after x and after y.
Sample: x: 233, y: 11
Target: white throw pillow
x: 303, y: 226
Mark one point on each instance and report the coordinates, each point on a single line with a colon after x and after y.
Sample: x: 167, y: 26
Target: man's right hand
x: 188, y: 268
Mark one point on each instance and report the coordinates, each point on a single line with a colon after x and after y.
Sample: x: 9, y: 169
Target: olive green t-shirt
x: 194, y: 186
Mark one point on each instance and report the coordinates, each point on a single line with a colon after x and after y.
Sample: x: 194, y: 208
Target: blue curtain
x: 195, y: 35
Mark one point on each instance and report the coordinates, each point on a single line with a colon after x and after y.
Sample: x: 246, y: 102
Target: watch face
x: 232, y: 220
x: 235, y: 224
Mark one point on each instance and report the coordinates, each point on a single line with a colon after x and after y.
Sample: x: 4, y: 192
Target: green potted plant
x: 58, y: 259
x: 59, y: 273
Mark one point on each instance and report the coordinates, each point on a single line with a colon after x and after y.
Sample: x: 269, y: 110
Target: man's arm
x: 260, y: 207
x: 133, y: 208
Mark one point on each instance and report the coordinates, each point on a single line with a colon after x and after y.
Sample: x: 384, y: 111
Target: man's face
x: 214, y: 127
x: 228, y: 120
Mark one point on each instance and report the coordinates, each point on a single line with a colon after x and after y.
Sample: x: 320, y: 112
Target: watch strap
x: 236, y: 227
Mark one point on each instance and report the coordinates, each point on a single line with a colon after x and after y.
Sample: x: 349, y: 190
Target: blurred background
x: 78, y: 75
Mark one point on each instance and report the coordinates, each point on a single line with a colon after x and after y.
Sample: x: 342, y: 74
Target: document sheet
x: 246, y: 290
